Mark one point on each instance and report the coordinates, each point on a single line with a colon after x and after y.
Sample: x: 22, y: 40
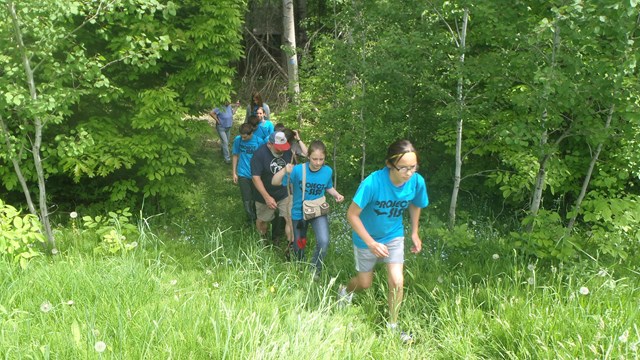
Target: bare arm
x: 277, y: 178
x: 336, y: 195
x: 353, y: 216
x: 414, y: 215
x: 234, y: 165
x: 303, y: 147
x: 257, y: 182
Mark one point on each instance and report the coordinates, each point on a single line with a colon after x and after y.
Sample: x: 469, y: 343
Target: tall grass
x: 202, y: 286
x: 226, y: 296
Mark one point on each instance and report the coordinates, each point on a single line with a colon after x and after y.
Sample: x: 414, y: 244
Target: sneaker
x: 405, y: 337
x: 344, y: 298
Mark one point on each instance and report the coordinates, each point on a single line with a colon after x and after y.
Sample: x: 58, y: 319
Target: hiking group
x: 276, y: 172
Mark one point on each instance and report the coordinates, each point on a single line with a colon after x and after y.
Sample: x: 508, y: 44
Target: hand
x: 235, y: 178
x: 289, y: 168
x: 379, y: 250
x: 271, y: 202
x: 296, y: 135
x: 338, y: 197
x: 417, y: 244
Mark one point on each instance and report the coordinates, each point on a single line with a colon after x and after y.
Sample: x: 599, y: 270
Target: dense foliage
x: 106, y: 87
x: 548, y: 89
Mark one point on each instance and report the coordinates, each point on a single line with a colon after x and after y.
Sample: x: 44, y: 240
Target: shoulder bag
x: 312, y: 209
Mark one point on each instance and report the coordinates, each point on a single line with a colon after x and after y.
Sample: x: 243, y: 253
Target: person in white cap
x: 266, y: 162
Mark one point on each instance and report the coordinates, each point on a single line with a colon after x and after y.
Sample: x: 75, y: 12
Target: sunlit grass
x: 202, y: 286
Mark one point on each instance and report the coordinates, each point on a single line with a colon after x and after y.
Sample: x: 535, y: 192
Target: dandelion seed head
x: 216, y: 285
x: 624, y: 337
x: 173, y: 282
x: 54, y: 251
x: 531, y: 281
x: 100, y: 346
x: 70, y: 303
x: 531, y: 267
x: 73, y: 214
x: 584, y: 290
x: 602, y: 273
x: 208, y: 272
x: 45, y: 307
x: 440, y: 279
x: 495, y: 257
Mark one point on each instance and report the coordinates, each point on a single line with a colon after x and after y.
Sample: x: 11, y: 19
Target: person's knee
x: 364, y: 282
x: 396, y: 282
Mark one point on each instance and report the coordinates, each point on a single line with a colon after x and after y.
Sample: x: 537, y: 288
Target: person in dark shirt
x: 267, y: 160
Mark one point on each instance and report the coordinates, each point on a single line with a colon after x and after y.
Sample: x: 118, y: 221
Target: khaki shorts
x: 264, y: 213
x: 366, y: 260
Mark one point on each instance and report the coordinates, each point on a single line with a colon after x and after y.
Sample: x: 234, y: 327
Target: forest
x: 525, y: 115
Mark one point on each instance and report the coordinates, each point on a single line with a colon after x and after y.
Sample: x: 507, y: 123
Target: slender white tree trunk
x: 587, y: 178
x: 461, y: 105
x: 17, y: 168
x: 290, y: 50
x: 38, y: 126
x: 536, y: 196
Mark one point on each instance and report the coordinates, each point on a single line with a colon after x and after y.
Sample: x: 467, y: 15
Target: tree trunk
x: 536, y: 196
x: 290, y: 50
x: 461, y: 105
x: 18, y: 169
x: 587, y: 178
x: 38, y: 126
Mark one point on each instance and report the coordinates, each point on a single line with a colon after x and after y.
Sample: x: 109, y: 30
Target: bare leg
x: 288, y: 229
x: 395, y: 280
x: 360, y: 282
x: 262, y: 228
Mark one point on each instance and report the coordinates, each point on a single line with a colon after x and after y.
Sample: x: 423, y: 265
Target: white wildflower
x: 440, y: 279
x: 602, y: 273
x: 208, y: 272
x: 73, y: 214
x: 554, y: 269
x: 100, y: 346
x: 584, y: 290
x: 70, y: 303
x: 54, y: 251
x: 45, y: 307
x: 173, y: 282
x: 531, y: 267
x: 495, y: 257
x: 216, y: 285
x: 624, y: 337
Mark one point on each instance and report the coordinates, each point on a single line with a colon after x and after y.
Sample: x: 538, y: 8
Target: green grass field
x: 202, y: 286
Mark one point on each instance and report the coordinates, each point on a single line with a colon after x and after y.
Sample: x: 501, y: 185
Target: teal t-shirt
x: 317, y: 182
x: 244, y: 149
x: 264, y: 129
x: 383, y: 204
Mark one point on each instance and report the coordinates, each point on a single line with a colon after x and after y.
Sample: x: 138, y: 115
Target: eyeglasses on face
x: 406, y: 169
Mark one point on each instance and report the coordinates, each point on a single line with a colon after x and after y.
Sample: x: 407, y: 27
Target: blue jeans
x: 320, y: 227
x: 225, y: 135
